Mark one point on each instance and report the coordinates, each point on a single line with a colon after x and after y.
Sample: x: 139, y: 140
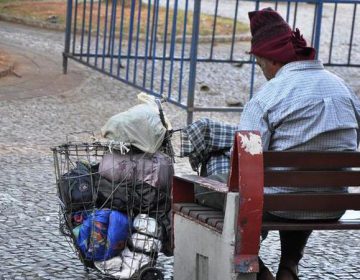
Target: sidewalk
x: 29, y: 75
x: 37, y: 111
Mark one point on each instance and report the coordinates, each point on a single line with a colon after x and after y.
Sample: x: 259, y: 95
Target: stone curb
x: 178, y: 39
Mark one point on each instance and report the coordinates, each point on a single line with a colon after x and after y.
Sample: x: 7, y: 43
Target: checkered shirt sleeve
x: 207, y: 143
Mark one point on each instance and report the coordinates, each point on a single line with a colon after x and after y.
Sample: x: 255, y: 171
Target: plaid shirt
x: 207, y: 143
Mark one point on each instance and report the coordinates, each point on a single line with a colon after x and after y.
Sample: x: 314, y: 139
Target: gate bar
x: 67, y: 36
x: 97, y: 34
x: 105, y: 34
x: 82, y: 30
x: 75, y: 24
x: 164, y: 49
x: 183, y: 48
x: 112, y: 34
x: 137, y: 42
x: 352, y: 33
x: 193, y: 61
x: 319, y: 12
x: 332, y: 33
x: 120, y: 38
x: 89, y: 31
x: 154, y: 40
x: 172, y: 46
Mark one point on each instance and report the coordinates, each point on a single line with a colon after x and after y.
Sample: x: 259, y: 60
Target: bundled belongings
x: 146, y: 225
x: 141, y: 126
x: 140, y: 197
x: 148, y: 175
x: 144, y: 126
x: 143, y: 243
x: 115, y: 207
x: 115, y: 196
x: 77, y: 188
x: 103, y: 234
x: 147, y: 168
x: 144, y: 188
x: 124, y: 266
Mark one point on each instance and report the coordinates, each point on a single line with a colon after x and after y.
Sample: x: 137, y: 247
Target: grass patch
x: 40, y: 10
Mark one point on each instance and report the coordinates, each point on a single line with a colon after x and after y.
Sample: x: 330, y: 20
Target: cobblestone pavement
x: 31, y: 245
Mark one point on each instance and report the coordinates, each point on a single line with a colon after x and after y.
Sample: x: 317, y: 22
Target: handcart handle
x: 161, y: 112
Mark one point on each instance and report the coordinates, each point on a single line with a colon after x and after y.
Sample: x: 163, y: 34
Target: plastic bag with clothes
x: 103, y: 234
x: 124, y: 266
x: 141, y: 126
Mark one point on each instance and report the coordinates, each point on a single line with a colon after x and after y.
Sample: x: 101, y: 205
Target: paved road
x: 30, y: 244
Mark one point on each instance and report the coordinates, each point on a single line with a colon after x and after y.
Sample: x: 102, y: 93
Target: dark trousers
x: 292, y: 246
x: 292, y: 242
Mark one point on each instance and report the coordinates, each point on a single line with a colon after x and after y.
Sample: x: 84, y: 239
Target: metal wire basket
x: 115, y: 179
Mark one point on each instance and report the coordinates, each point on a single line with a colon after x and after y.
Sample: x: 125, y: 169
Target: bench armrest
x: 204, y: 182
x: 246, y: 177
x: 183, y: 187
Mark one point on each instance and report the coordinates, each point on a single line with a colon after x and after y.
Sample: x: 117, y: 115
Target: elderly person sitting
x: 302, y: 107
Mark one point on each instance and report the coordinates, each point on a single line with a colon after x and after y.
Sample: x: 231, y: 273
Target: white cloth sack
x: 124, y: 266
x: 139, y: 126
x: 145, y: 243
x: 147, y: 225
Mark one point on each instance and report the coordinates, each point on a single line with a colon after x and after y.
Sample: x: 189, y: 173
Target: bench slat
x: 312, y: 201
x: 203, y: 215
x: 216, y: 222
x: 186, y: 208
x: 311, y: 178
x: 204, y: 182
x: 219, y: 226
x: 199, y: 212
x: 187, y: 211
x: 312, y: 160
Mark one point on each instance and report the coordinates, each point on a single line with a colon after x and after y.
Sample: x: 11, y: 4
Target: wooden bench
x: 210, y: 244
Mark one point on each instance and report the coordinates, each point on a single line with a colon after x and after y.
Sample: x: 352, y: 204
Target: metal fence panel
x: 162, y: 46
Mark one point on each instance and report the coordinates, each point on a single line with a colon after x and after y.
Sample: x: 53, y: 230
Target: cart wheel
x: 151, y: 273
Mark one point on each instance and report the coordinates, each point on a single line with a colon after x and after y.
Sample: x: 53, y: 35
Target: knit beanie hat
x: 272, y: 38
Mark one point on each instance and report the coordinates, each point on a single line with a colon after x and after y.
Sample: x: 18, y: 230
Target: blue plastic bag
x: 103, y: 234
x: 117, y: 234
